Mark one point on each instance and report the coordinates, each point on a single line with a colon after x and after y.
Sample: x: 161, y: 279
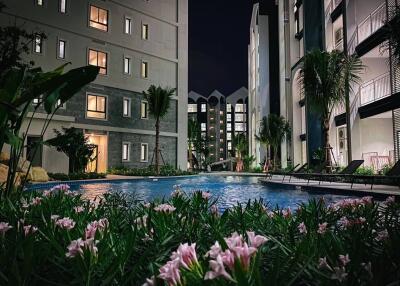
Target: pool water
x: 229, y: 190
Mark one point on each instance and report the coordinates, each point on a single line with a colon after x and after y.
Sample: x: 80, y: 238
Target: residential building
x: 220, y: 118
x: 263, y: 62
x: 136, y: 44
x: 371, y: 130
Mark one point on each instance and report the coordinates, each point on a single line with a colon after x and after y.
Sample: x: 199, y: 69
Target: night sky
x: 218, y: 41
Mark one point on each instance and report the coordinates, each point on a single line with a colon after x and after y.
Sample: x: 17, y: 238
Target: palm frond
x: 159, y: 100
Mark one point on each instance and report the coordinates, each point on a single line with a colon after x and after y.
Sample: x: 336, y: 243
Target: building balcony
x: 372, y: 23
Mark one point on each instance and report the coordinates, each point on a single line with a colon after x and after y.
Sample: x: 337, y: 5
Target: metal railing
x: 331, y: 6
x: 375, y: 89
x: 368, y: 26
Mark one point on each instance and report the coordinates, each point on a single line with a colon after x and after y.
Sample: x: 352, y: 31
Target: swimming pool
x: 229, y: 190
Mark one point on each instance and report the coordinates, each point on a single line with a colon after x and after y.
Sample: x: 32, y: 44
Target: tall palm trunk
x: 328, y: 159
x: 275, y: 151
x: 157, y: 150
x: 190, y: 157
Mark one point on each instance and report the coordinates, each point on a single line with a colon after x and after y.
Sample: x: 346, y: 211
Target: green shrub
x: 385, y: 169
x: 76, y: 176
x: 365, y: 171
x: 131, y: 240
x: 257, y: 169
x: 165, y: 171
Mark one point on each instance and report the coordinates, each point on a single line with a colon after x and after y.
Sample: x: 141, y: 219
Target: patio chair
x: 302, y: 169
x: 392, y: 176
x: 284, y: 173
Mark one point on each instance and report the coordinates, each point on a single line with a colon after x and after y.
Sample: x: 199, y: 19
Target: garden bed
x: 76, y: 176
x: 55, y: 237
x: 165, y: 171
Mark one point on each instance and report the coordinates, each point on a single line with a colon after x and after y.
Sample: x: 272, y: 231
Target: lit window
x: 229, y: 146
x: 99, y: 59
x: 229, y: 117
x: 39, y: 2
x: 240, y: 108
x: 128, y: 26
x: 144, y: 70
x: 36, y: 101
x: 126, y: 151
x: 96, y: 106
x: 38, y: 44
x: 192, y: 107
x: 203, y: 107
x: 145, y: 31
x: 126, y: 108
x: 221, y: 113
x: 239, y: 117
x: 239, y: 127
x: 143, y: 110
x: 98, y: 18
x: 203, y: 127
x: 228, y: 107
x: 221, y: 140
x: 203, y: 134
x: 229, y: 127
x: 127, y: 65
x: 59, y: 104
x: 144, y: 152
x: 63, y: 6
x: 228, y: 136
x: 61, y: 49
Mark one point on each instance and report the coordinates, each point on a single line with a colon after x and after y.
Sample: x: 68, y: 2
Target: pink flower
x: 217, y: 270
x: 215, y: 250
x: 214, y: 210
x: 234, y: 241
x: 150, y: 281
x: 90, y: 244
x: 256, y: 240
x: 322, y: 227
x: 302, y: 228
x: 323, y: 264
x: 390, y: 200
x: 271, y: 214
x: 176, y: 193
x: 339, y: 274
x: 287, y: 213
x: 90, y: 230
x: 344, y: 259
x: 60, y: 187
x: 141, y: 221
x: 367, y: 200
x: 228, y: 258
x: 65, y: 223
x: 186, y: 254
x: 344, y: 223
x: 75, y: 248
x: 165, y: 208
x: 78, y: 209
x: 170, y: 272
x: 4, y: 227
x: 28, y: 229
x: 361, y: 220
x: 103, y: 224
x: 147, y: 205
x: 382, y: 235
x: 205, y: 195
x: 54, y: 217
x: 244, y: 254
x: 46, y: 194
x: 36, y: 201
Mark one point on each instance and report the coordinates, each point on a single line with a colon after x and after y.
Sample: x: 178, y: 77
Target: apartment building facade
x: 371, y: 129
x: 220, y: 118
x: 136, y: 44
x: 263, y: 59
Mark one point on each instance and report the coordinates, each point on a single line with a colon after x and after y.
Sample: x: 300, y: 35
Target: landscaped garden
x: 52, y: 237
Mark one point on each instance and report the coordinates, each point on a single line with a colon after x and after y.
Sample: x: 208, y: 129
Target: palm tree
x: 392, y: 33
x: 273, y: 130
x: 241, y: 146
x: 193, y: 132
x: 159, y: 101
x: 325, y: 77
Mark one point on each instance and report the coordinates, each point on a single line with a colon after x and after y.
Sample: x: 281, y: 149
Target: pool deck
x: 333, y: 187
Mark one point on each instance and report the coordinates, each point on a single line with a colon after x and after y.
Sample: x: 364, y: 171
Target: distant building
x: 263, y: 59
x: 220, y: 118
x: 136, y: 44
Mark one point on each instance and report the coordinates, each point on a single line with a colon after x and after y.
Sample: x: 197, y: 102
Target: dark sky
x: 218, y: 40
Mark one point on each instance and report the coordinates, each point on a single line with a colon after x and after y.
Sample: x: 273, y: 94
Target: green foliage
x: 273, y: 130
x: 165, y: 170
x: 365, y: 171
x: 76, y: 176
x: 138, y: 240
x: 247, y: 161
x: 241, y: 144
x: 257, y: 169
x: 73, y: 143
x: 385, y: 169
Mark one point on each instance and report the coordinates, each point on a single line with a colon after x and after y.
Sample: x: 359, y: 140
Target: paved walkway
x: 334, y: 187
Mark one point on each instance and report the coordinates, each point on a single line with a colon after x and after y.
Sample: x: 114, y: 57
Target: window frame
x: 128, y: 158
x: 107, y: 59
x: 129, y: 100
x: 65, y: 6
x: 129, y: 65
x: 144, y: 25
x: 40, y: 5
x: 201, y: 107
x: 58, y: 48
x: 98, y: 23
x: 146, y: 64
x: 38, y: 36
x: 147, y: 153
x: 147, y: 109
x: 130, y: 25
x: 105, y: 106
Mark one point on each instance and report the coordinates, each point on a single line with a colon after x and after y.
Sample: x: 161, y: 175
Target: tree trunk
x: 190, y: 157
x: 275, y: 155
x: 327, y: 147
x: 157, y: 150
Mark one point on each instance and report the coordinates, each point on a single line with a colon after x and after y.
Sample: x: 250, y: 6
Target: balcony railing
x: 368, y: 92
x: 368, y: 26
x: 331, y: 6
x: 375, y: 89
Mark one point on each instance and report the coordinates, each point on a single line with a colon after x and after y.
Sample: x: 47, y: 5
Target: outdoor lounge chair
x: 291, y: 170
x: 346, y: 172
x: 392, y: 176
x: 298, y: 171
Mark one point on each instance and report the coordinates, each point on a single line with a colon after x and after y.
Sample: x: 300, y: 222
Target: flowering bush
x: 55, y: 237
